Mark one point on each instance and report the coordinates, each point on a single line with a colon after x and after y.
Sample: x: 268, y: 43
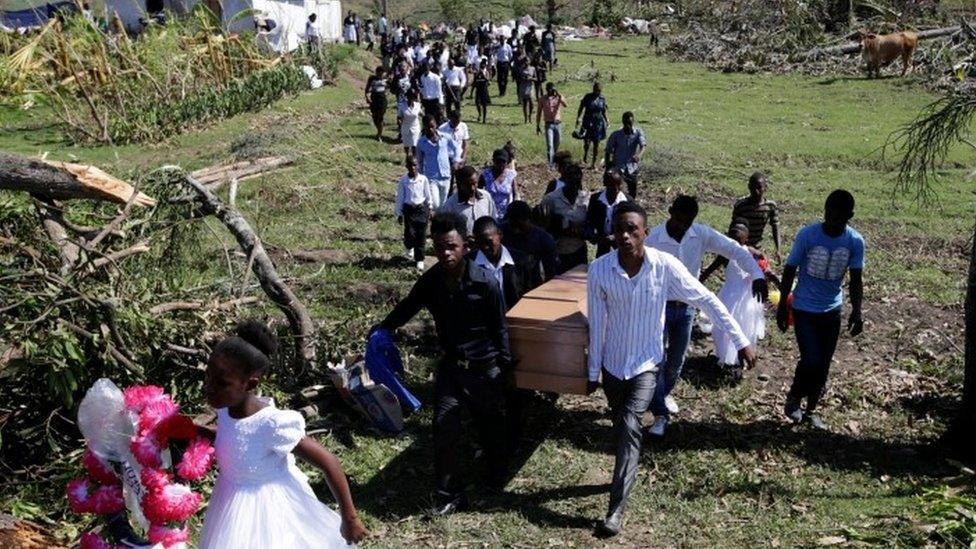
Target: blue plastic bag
x: 383, y: 363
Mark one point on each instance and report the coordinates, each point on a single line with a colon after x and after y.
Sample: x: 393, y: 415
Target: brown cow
x: 879, y: 51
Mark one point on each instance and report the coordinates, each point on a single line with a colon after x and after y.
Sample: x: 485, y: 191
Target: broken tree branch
x: 52, y: 222
x: 139, y: 248
x: 63, y: 181
x: 264, y: 270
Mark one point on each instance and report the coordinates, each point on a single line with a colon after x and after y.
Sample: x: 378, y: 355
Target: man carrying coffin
x: 627, y: 290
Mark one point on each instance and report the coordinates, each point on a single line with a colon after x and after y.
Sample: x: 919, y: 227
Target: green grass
x: 730, y: 473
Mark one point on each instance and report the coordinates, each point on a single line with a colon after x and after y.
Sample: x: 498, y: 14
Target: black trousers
x: 503, y: 69
x: 816, y: 337
x: 570, y: 260
x: 482, y: 391
x: 452, y: 99
x: 415, y: 229
x: 631, y: 180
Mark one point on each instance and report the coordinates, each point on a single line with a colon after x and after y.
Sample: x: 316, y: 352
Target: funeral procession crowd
x: 644, y: 287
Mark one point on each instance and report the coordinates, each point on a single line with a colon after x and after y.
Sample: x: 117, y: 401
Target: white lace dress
x: 736, y: 295
x: 261, y: 500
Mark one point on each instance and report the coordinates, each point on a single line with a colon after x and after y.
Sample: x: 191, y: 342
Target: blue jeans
x: 554, y: 132
x: 678, y: 318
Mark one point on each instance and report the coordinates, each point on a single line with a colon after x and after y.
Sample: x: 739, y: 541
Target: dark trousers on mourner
x: 415, y: 229
x: 631, y: 180
x: 481, y: 390
x: 628, y: 400
x: 503, y: 69
x: 570, y: 260
x: 452, y: 99
x: 816, y: 337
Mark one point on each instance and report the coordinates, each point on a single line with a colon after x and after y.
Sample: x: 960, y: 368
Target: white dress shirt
x: 504, y: 53
x: 414, y: 191
x: 698, y: 240
x: 626, y: 315
x: 455, y: 77
x: 495, y: 270
x: 430, y: 86
x: 460, y: 133
x: 608, y: 222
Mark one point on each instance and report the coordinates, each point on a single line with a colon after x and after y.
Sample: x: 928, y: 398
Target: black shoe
x: 612, y: 525
x: 448, y: 505
x: 792, y: 409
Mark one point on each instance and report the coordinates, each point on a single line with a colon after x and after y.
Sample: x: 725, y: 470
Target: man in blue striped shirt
x: 626, y: 295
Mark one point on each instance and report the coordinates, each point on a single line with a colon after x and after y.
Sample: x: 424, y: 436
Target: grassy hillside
x: 731, y: 472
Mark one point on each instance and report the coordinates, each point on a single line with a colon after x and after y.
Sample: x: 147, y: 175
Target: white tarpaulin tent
x: 289, y: 16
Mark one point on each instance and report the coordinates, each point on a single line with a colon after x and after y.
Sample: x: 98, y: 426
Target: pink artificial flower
x: 146, y: 450
x: 155, y: 412
x: 168, y: 537
x: 197, y: 459
x: 91, y: 540
x: 137, y: 396
x: 97, y: 469
x: 173, y: 503
x: 176, y: 427
x: 107, y: 500
x: 78, y: 495
x: 154, y: 479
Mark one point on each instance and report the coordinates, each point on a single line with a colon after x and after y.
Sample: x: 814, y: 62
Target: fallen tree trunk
x: 63, y: 180
x: 854, y: 47
x: 263, y: 268
x: 216, y: 175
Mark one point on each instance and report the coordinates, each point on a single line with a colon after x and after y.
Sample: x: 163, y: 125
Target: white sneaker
x: 671, y: 404
x: 659, y: 426
x: 408, y: 254
x: 420, y: 266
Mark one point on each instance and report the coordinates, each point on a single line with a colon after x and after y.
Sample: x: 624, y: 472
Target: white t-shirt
x: 460, y: 133
x: 430, y: 86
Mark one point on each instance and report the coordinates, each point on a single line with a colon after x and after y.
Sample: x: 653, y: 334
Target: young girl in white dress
x: 736, y: 295
x: 261, y: 500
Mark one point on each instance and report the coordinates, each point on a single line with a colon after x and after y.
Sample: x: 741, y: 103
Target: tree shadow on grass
x: 838, y: 451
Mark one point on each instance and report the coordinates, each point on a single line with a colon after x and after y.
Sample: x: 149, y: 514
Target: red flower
x: 137, y: 396
x: 153, y: 413
x: 197, y: 459
x: 97, y: 469
x: 168, y: 536
x: 146, y: 449
x: 78, y: 497
x: 172, y: 503
x: 176, y: 427
x: 155, y: 479
x: 91, y: 540
x: 107, y: 500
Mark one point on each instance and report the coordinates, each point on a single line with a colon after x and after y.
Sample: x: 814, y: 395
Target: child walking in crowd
x: 413, y: 209
x: 261, y: 500
x: 821, y: 254
x: 736, y: 295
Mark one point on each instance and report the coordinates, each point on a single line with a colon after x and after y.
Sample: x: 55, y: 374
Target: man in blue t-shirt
x: 822, y: 253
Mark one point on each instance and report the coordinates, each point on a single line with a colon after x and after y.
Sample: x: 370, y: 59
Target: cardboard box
x: 548, y: 334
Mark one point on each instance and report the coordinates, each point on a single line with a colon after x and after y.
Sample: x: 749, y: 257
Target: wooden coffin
x: 547, y: 331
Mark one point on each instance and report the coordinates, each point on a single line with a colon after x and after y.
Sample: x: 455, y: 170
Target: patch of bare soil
x: 22, y: 534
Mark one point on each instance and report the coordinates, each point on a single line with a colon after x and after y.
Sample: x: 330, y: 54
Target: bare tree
x: 926, y: 142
